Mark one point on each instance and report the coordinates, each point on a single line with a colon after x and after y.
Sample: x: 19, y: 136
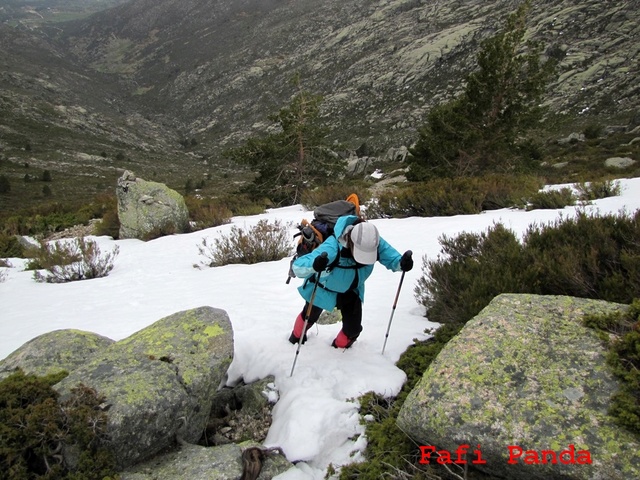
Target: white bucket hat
x: 365, y: 240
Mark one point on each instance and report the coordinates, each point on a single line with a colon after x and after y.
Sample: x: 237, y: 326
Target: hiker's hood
x: 341, y: 226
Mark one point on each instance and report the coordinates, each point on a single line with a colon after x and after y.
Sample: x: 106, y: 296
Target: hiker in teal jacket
x: 351, y: 253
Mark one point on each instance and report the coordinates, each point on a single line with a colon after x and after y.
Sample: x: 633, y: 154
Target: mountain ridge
x: 131, y: 83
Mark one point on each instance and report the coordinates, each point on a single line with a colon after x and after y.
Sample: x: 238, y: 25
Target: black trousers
x: 350, y: 307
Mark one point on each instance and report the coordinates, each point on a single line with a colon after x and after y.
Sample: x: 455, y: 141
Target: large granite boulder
x: 53, y: 352
x: 149, y: 209
x: 523, y: 377
x: 159, y: 382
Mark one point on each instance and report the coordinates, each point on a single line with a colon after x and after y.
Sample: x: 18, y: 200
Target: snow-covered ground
x: 315, y: 419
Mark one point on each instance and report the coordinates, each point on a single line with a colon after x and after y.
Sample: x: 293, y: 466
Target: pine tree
x: 293, y: 159
x: 5, y: 184
x: 478, y: 131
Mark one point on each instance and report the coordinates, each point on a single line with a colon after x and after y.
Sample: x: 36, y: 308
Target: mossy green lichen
x: 525, y: 371
x: 622, y: 334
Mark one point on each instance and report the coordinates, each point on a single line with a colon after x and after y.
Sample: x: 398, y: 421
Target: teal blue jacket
x: 341, y: 276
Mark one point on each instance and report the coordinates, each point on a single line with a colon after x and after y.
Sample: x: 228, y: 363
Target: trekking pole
x: 393, y: 310
x: 306, y: 317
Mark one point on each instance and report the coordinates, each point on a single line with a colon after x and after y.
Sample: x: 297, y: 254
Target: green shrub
x: 10, y: 246
x: 600, y: 189
x: 5, y: 184
x: 586, y: 256
x: 624, y: 358
x: 242, y: 204
x: 264, y: 242
x: 440, y: 197
x: 205, y: 213
x: 35, y: 428
x: 506, y: 191
x: 455, y: 196
x: 108, y: 225
x: 593, y: 131
x: 472, y: 269
x: 552, y: 199
x: 53, y: 217
x: 160, y: 231
x: 70, y: 260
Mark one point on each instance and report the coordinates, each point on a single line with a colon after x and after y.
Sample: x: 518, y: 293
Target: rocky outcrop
x: 510, y: 380
x: 192, y: 462
x: 168, y: 418
x: 149, y: 209
x: 53, y: 352
x: 159, y: 382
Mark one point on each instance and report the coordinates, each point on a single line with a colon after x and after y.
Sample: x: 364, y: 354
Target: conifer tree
x: 5, y: 184
x: 478, y: 131
x: 296, y: 157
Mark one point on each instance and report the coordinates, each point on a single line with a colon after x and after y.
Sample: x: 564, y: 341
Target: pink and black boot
x: 342, y: 341
x: 298, y: 326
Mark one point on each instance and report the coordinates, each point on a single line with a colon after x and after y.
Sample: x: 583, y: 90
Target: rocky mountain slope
x: 218, y: 67
x: 141, y: 77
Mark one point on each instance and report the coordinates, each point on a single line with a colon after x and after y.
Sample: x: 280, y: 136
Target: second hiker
x: 350, y: 256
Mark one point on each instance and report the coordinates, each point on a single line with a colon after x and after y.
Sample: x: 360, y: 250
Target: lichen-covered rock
x: 54, y: 352
x: 192, y: 462
x: 525, y: 372
x: 148, y: 209
x: 619, y: 162
x: 160, y: 381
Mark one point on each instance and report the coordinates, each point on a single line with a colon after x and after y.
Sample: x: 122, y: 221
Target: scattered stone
x: 619, y: 162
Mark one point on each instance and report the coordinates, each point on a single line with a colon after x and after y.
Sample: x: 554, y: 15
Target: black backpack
x: 325, y: 216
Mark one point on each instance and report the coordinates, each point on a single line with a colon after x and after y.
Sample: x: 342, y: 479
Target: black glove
x: 406, y: 262
x: 320, y: 263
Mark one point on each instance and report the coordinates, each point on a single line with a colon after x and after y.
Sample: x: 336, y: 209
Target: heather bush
x: 70, y: 260
x: 455, y: 196
x: 599, y: 189
x: 471, y: 270
x: 551, y: 199
x: 205, y: 213
x: 108, y: 225
x: 587, y: 256
x: 52, y: 217
x: 162, y: 231
x: 265, y: 242
x: 35, y: 427
x: 10, y: 246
